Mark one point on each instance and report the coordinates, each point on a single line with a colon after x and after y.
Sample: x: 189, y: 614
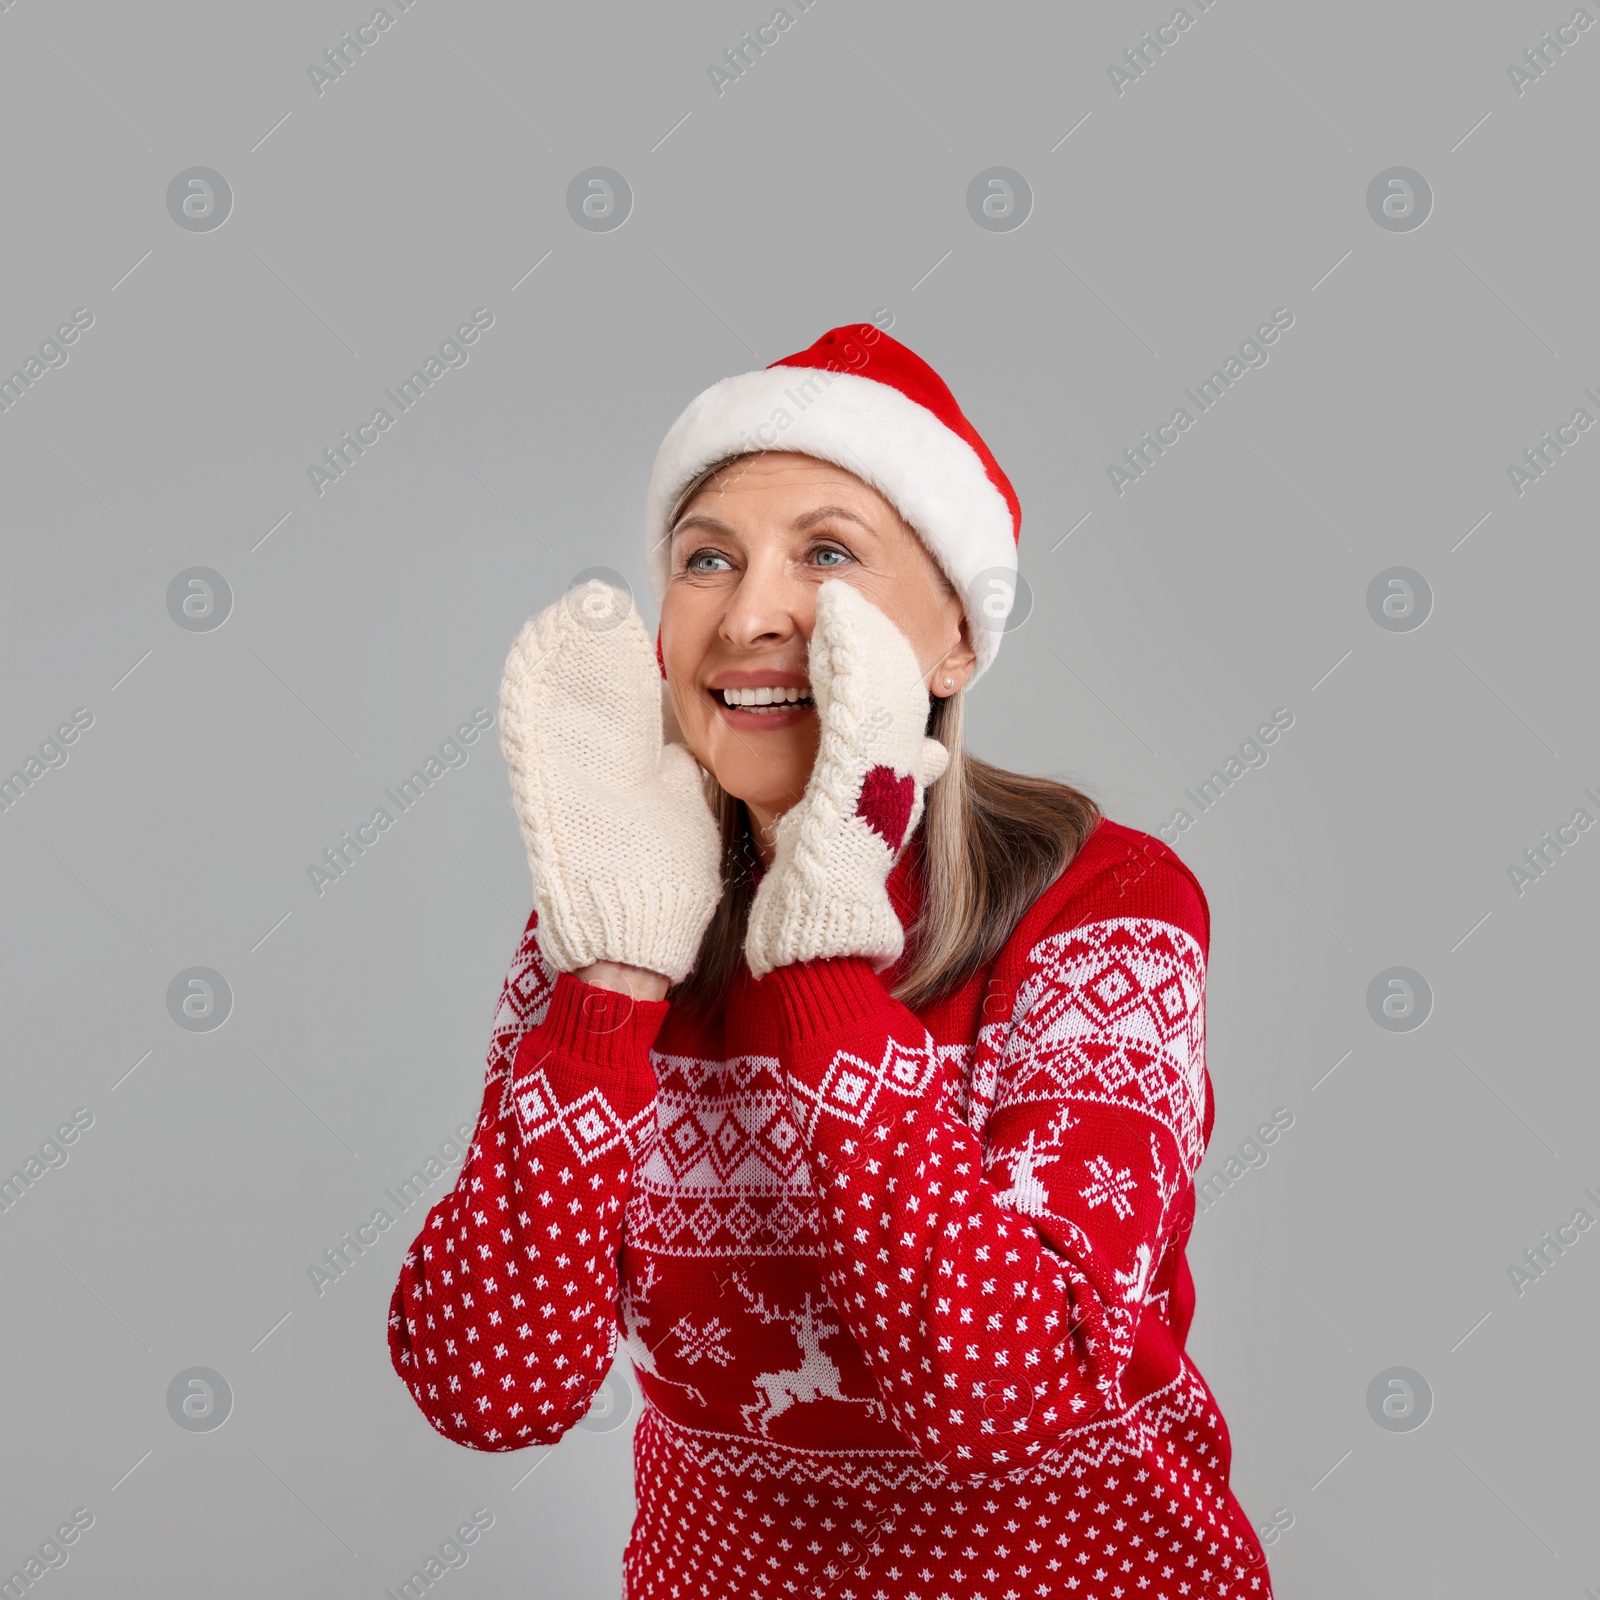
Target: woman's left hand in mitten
x: 825, y: 893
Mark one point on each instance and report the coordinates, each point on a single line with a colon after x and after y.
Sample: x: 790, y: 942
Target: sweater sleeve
x: 503, y: 1322
x: 995, y: 1281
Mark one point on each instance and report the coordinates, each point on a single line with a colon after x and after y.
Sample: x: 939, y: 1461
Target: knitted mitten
x: 624, y: 849
x: 825, y: 893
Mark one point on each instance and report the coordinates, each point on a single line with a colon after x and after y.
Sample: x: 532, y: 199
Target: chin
x: 771, y: 785
x: 775, y: 798
x: 769, y: 770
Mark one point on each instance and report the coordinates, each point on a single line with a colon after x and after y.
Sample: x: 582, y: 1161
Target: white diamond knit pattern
x: 621, y: 842
x: 825, y: 893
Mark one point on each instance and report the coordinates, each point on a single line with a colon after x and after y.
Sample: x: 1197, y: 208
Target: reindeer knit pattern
x: 904, y: 1291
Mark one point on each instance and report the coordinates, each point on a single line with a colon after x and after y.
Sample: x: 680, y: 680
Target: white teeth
x: 767, y: 695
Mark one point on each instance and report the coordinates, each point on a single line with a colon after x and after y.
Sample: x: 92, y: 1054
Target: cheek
x: 925, y: 619
x: 680, y: 640
x: 678, y: 660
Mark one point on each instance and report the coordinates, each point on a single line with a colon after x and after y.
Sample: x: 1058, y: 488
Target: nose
x: 767, y: 607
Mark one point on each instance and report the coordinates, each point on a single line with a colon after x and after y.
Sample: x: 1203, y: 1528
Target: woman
x: 860, y: 1082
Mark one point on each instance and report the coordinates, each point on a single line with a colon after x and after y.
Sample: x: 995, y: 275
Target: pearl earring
x: 948, y: 682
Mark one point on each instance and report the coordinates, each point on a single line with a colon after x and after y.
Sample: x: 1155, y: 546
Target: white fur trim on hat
x: 930, y: 474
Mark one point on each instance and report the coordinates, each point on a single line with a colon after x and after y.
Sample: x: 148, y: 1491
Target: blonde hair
x: 992, y: 841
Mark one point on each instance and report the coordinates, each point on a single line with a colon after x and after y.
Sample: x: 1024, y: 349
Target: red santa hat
x: 863, y: 401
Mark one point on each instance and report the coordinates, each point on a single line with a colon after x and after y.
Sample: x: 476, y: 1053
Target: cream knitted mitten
x: 625, y: 852
x: 825, y: 893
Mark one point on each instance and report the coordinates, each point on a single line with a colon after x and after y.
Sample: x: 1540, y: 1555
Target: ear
x: 957, y: 663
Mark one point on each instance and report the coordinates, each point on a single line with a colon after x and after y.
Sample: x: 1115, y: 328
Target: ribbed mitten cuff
x: 653, y: 925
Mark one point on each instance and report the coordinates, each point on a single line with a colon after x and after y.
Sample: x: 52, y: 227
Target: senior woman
x: 858, y: 1083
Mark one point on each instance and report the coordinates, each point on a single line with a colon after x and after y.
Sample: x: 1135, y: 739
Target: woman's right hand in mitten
x: 624, y: 850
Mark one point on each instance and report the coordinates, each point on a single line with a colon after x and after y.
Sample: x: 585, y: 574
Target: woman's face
x: 747, y: 557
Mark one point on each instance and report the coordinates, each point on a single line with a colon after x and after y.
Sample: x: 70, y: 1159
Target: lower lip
x: 743, y: 718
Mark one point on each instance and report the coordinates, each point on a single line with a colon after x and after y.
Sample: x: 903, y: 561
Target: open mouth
x: 763, y: 702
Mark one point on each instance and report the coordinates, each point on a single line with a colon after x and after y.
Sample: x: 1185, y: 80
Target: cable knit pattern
x: 623, y: 846
x: 905, y: 1292
x: 824, y: 894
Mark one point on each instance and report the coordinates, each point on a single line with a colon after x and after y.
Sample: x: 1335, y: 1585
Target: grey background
x: 1167, y: 223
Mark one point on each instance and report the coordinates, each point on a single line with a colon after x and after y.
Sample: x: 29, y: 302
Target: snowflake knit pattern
x: 904, y: 1291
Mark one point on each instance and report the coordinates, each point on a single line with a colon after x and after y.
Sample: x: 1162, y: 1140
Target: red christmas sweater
x: 904, y: 1291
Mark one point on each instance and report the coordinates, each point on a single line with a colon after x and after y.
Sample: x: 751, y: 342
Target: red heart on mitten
x: 885, y: 804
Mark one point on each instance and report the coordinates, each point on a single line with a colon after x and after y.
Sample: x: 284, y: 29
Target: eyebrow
x: 810, y: 519
x: 822, y: 513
